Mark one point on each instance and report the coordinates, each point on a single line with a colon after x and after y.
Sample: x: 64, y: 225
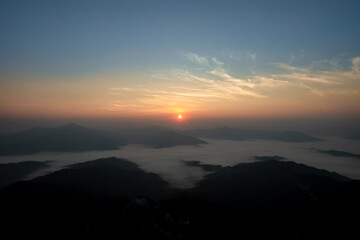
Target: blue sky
x: 153, y: 53
x: 75, y: 37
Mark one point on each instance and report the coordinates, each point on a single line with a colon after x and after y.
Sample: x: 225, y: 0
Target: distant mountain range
x: 267, y: 158
x: 68, y: 138
x: 228, y: 133
x: 74, y: 138
x: 158, y: 137
x: 353, y: 136
x: 337, y: 153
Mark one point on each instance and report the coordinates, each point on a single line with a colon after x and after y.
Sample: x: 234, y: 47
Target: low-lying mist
x: 169, y: 162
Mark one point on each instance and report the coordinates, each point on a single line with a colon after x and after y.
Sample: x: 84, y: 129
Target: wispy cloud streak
x: 196, y: 58
x: 214, y: 83
x: 322, y: 83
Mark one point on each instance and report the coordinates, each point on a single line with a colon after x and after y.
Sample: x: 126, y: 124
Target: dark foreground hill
x: 113, y: 199
x: 267, y: 185
x: 83, y: 201
x: 13, y: 172
x: 108, y: 177
x: 228, y: 133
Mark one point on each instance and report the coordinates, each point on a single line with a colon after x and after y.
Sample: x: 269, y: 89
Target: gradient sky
x: 281, y: 58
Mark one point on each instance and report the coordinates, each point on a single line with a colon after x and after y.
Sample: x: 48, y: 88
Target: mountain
x: 112, y: 198
x: 108, y: 177
x: 339, y: 153
x: 67, y: 138
x: 205, y: 167
x: 74, y: 138
x: 353, y: 136
x: 273, y: 199
x: 267, y: 158
x: 274, y: 184
x: 158, y: 137
x: 227, y: 133
x: 13, y: 172
x: 85, y: 201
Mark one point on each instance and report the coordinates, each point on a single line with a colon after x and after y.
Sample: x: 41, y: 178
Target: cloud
x: 305, y: 77
x: 226, y: 87
x: 323, y: 83
x: 356, y: 64
x: 197, y: 59
x: 243, y: 55
x: 226, y: 77
x: 290, y: 68
x: 147, y: 99
x: 252, y: 56
x: 216, y: 61
x: 292, y: 57
x: 196, y: 88
x: 187, y: 89
x: 322, y: 93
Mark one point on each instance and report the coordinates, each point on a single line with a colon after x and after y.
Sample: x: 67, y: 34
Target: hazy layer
x: 168, y: 162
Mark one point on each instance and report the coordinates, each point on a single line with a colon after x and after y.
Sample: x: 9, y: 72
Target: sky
x: 158, y: 59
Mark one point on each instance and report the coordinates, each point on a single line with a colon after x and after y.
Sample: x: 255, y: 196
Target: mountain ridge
x: 75, y: 138
x: 229, y: 133
x: 110, y: 197
x: 69, y: 137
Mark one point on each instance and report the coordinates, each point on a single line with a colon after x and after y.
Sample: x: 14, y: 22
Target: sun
x: 179, y: 116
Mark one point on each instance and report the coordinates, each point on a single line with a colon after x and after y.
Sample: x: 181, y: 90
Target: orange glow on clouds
x: 116, y: 95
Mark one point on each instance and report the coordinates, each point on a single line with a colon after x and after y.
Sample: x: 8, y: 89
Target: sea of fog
x: 169, y: 162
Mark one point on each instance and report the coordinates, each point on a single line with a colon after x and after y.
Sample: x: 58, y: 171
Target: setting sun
x: 179, y: 116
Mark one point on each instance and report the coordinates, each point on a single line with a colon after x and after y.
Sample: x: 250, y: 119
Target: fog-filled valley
x: 169, y: 162
x: 169, y: 184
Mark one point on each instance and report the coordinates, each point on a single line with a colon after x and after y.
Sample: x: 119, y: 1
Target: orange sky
x: 212, y: 92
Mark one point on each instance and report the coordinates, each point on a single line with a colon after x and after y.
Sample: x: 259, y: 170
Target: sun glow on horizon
x: 179, y: 116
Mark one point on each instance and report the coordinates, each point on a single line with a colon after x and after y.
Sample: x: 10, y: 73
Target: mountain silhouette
x: 111, y: 177
x: 74, y: 138
x: 205, y: 167
x: 266, y: 158
x: 339, y: 153
x: 84, y: 200
x: 13, y: 172
x: 272, y: 199
x: 144, y: 218
x: 228, y: 133
x: 112, y: 198
x: 273, y: 183
x: 353, y: 136
x: 158, y: 137
x: 67, y: 138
